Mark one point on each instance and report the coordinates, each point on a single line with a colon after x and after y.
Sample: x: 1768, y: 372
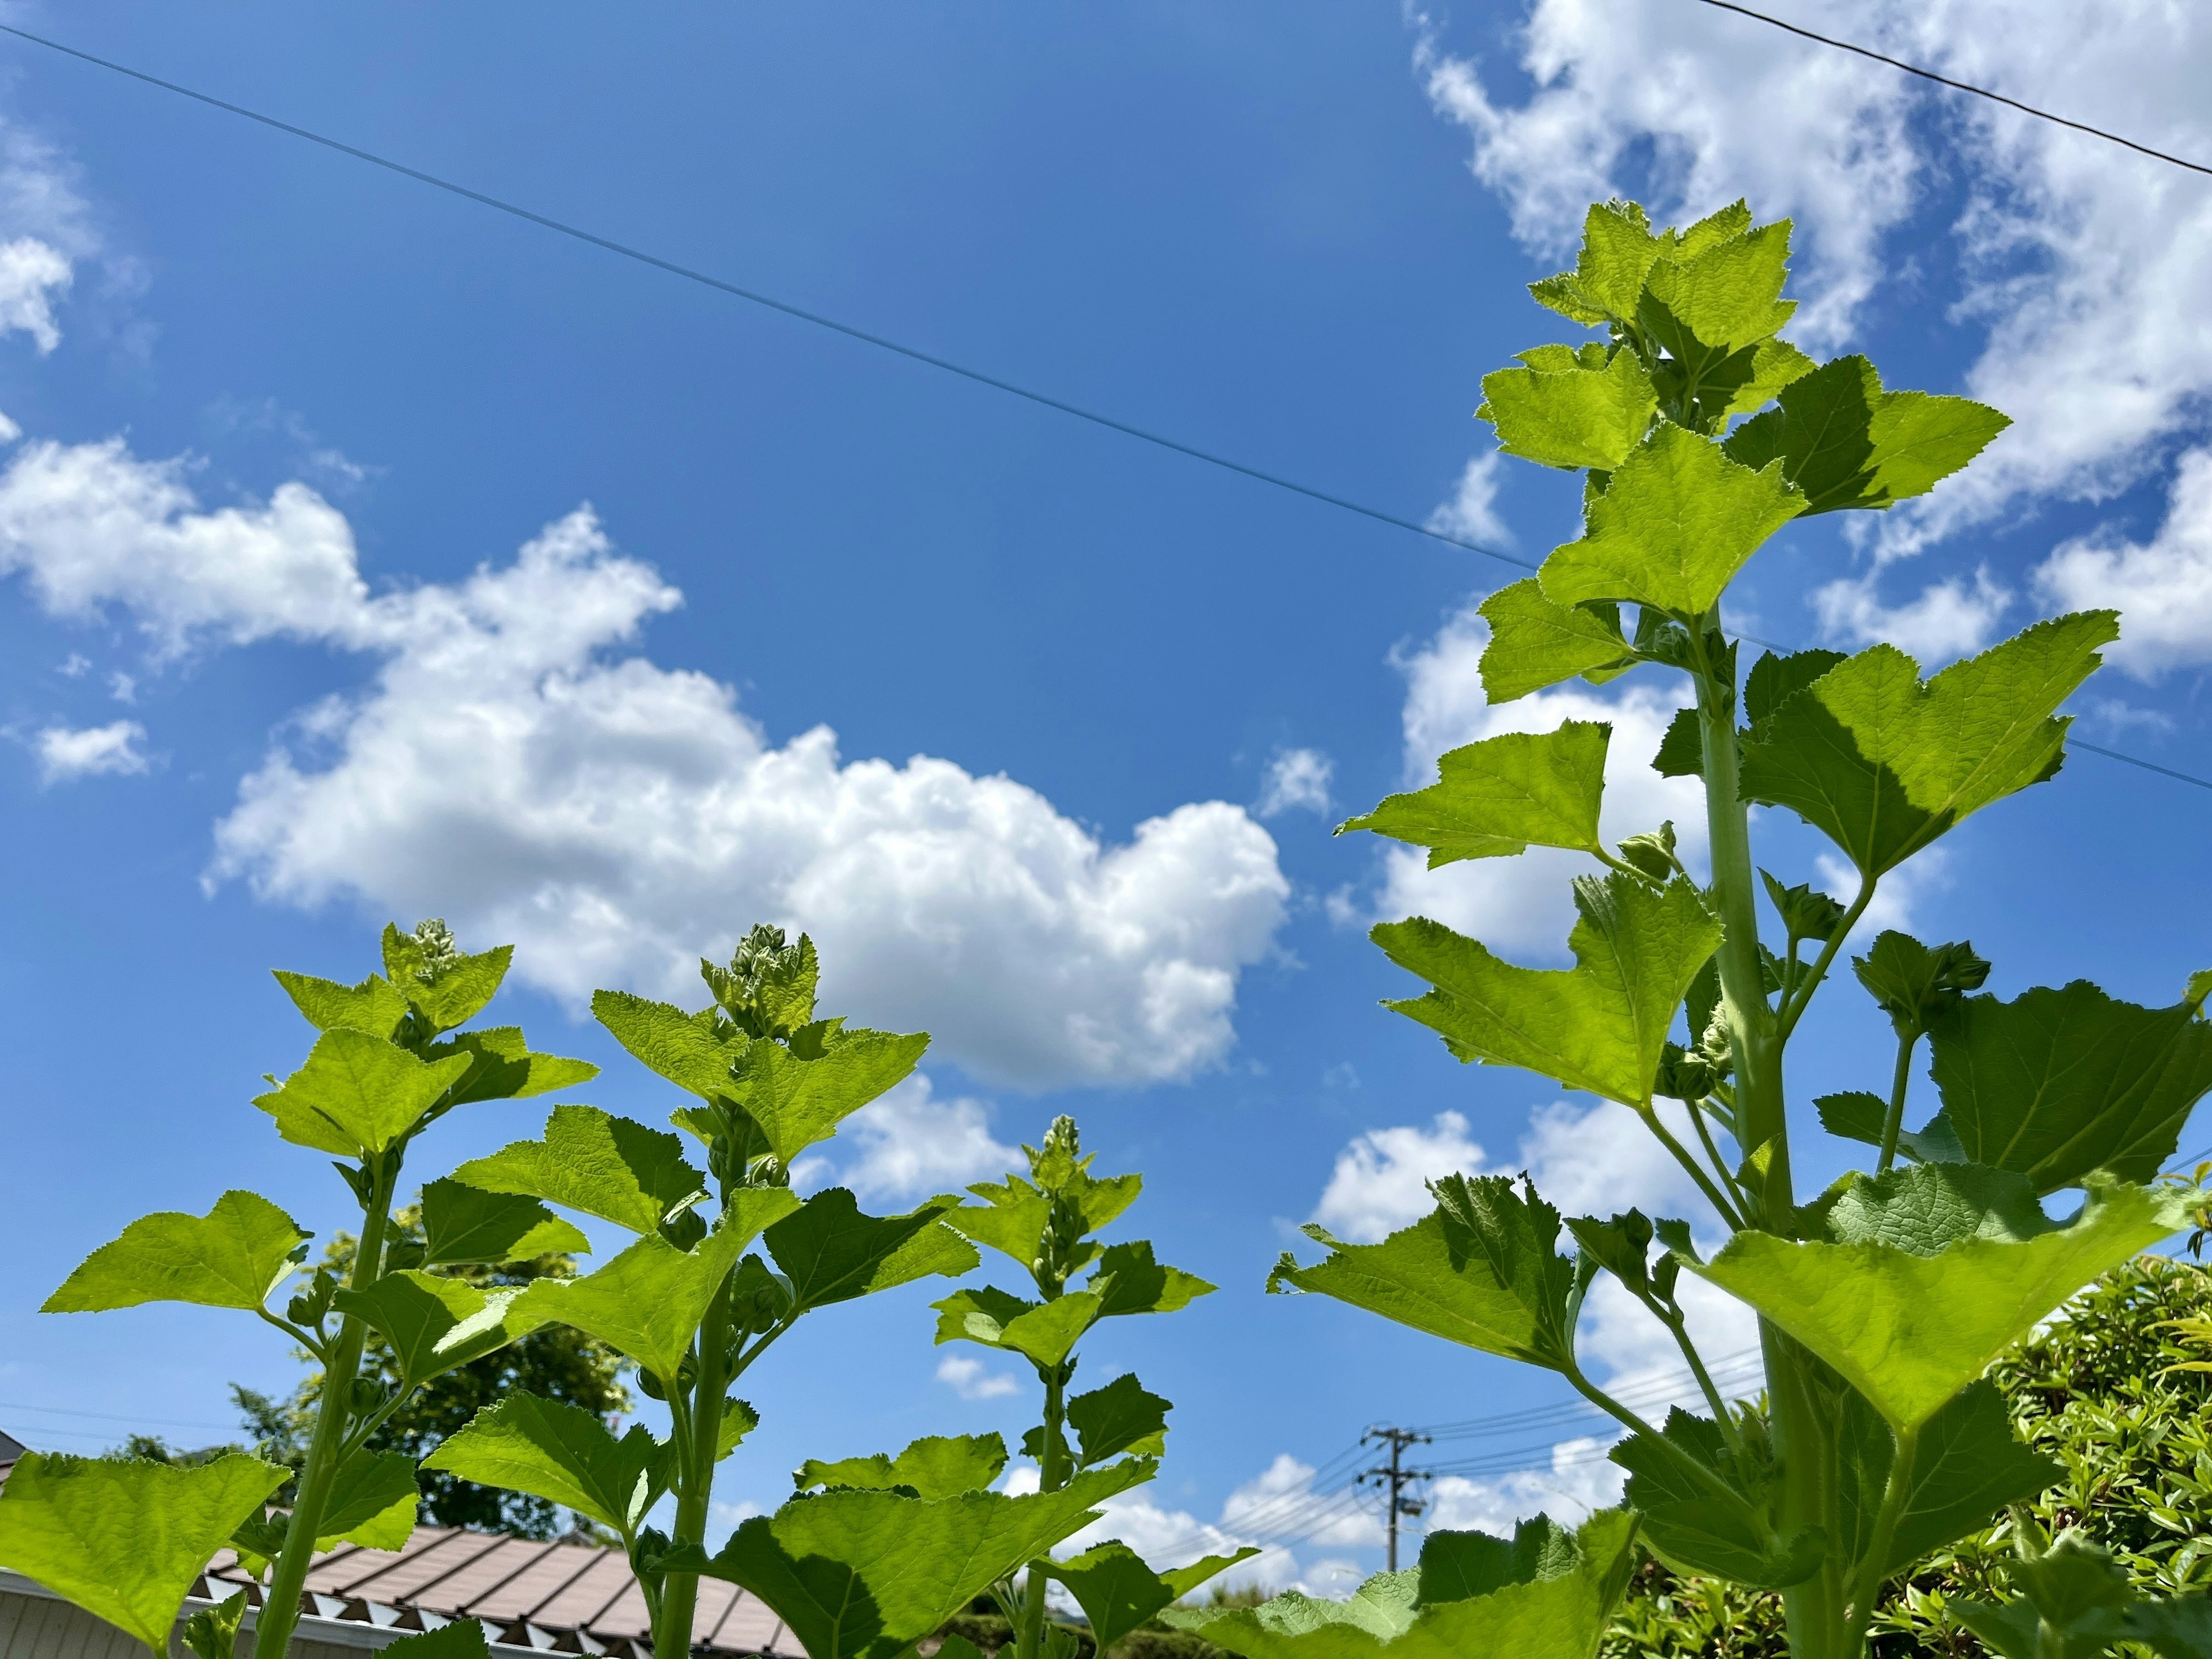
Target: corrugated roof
x: 555, y: 1596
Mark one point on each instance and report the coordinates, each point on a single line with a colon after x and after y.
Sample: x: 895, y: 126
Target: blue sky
x: 365, y: 553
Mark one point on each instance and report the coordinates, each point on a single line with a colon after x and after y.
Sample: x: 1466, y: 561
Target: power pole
x: 1395, y: 1477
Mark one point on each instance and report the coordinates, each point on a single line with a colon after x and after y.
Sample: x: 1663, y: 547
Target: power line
x: 932, y: 360
x: 114, y: 1417
x: 1962, y: 86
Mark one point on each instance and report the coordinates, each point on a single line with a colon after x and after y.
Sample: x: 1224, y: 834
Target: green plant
x: 125, y: 1538
x: 768, y: 1079
x: 1882, y: 1301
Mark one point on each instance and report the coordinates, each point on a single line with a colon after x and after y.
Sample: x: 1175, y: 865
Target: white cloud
x: 509, y: 769
x: 1950, y: 618
x: 2162, y: 588
x: 967, y: 1378
x: 909, y: 1143
x: 1900, y: 898
x: 1281, y: 1495
x: 1380, y: 1182
x: 1577, y: 1481
x: 108, y: 750
x: 1525, y: 904
x: 1472, y: 513
x: 33, y: 276
x: 122, y: 687
x: 1296, y: 778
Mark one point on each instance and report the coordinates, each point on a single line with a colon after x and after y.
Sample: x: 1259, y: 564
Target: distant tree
x: 161, y: 1451
x: 555, y: 1361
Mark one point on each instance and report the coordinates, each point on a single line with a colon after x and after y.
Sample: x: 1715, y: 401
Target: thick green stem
x: 702, y: 1425
x: 1866, y: 1582
x: 1052, y: 1475
x: 280, y: 1609
x: 1894, y: 1124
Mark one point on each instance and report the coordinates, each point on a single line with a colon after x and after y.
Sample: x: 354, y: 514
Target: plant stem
x: 1713, y: 1152
x: 1052, y: 1475
x: 1620, y: 1414
x: 679, y: 1591
x: 1724, y: 1418
x: 1682, y: 1155
x: 280, y: 1609
x: 1894, y: 1124
x: 1867, y: 1577
x: 1794, y: 1010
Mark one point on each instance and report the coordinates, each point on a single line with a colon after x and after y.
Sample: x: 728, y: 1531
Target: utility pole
x: 1395, y: 1477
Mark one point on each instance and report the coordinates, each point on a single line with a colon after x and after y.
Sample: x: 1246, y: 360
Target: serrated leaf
x: 376, y: 1006
x: 231, y: 1257
x: 1855, y: 1115
x: 1617, y: 253
x: 1845, y: 442
x: 978, y: 1314
x: 1682, y: 751
x: 372, y: 1503
x: 936, y: 1466
x: 1600, y: 1025
x: 1481, y: 1269
x: 1535, y: 643
x: 502, y: 1067
x: 798, y: 1103
x: 1723, y: 298
x: 2073, y: 1605
x: 434, y: 1323
x: 1715, y: 1526
x: 1568, y: 415
x: 1013, y: 1222
x: 1910, y: 1331
x: 1774, y: 680
x: 689, y: 1050
x: 123, y: 1539
x: 2055, y: 1084
x: 1882, y: 763
x: 831, y: 1252
x: 1045, y: 1332
x: 462, y: 1638
x: 1128, y: 1282
x: 467, y: 1224
x: 1968, y: 1465
x: 212, y: 1632
x: 647, y: 1302
x: 859, y: 1575
x: 1122, y: 1417
x: 357, y: 1094
x: 1457, y: 1567
x: 1677, y: 522
x: 1926, y: 1208
x: 1559, y: 1614
x: 606, y: 1166
x: 449, y: 992
x: 738, y: 1420
x: 1497, y: 798
x: 1118, y: 1592
x: 556, y: 1451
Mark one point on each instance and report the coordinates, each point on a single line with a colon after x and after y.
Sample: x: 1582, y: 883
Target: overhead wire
x: 948, y: 365
x: 1960, y: 86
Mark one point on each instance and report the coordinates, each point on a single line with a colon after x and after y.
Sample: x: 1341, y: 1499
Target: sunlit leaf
x: 1118, y: 1592
x: 232, y: 1257
x: 1564, y: 410
x: 937, y: 1466
x: 376, y: 1006
x: 502, y: 1067
x: 1128, y: 1282
x: 589, y: 1160
x: 689, y: 1050
x: 1500, y: 796
x: 372, y: 1500
x: 357, y: 1093
x: 556, y: 1451
x: 434, y: 1324
x: 831, y: 1252
x: 1122, y: 1417
x: 467, y: 1224
x: 799, y: 1102
x: 1535, y: 643
x: 645, y: 1302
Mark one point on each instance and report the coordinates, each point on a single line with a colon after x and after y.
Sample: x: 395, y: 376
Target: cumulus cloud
x: 510, y: 767
x: 1523, y: 905
x: 1297, y: 778
x: 1900, y: 900
x: 1380, y: 1182
x: 971, y: 1380
x: 910, y: 1143
x: 92, y: 751
x: 2162, y: 588
x: 1949, y: 618
x: 1472, y: 513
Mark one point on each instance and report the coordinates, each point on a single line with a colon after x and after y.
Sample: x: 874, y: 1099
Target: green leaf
x: 858, y: 1575
x: 1569, y: 414
x: 1774, y: 680
x: 646, y: 1303
x: 1128, y: 1282
x: 232, y: 1257
x: 357, y: 1093
x: 434, y: 1323
x: 1855, y: 1115
x: 690, y: 1050
x: 1882, y: 763
x: 1118, y: 1592
x: 606, y: 1166
x: 462, y: 1638
x: 1718, y: 1525
x: 467, y: 1224
x: 372, y: 1503
x: 212, y: 1632
x: 1968, y: 1466
x: 376, y: 1006
x: 1457, y: 1567
x: 124, y: 1539
x: 1497, y: 798
x: 447, y: 992
x: 1846, y: 443
x: 936, y: 1466
x: 738, y: 1420
x: 502, y: 1067
x: 1535, y: 643
x: 1915, y: 985
x: 1617, y: 254
x: 1480, y: 1270
x: 831, y: 1252
x: 1012, y: 1224
x: 2055, y: 1084
x: 1678, y: 521
x: 1122, y: 1417
x: 1909, y: 1331
x: 1926, y: 1208
x: 556, y: 1451
x: 2073, y: 1605
x: 1723, y: 299
x: 1045, y: 1333
x: 1600, y: 1025
x: 1682, y: 751
x: 1558, y: 1612
x: 798, y: 1103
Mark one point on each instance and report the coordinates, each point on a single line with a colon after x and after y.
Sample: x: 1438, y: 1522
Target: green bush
x: 2098, y: 1390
